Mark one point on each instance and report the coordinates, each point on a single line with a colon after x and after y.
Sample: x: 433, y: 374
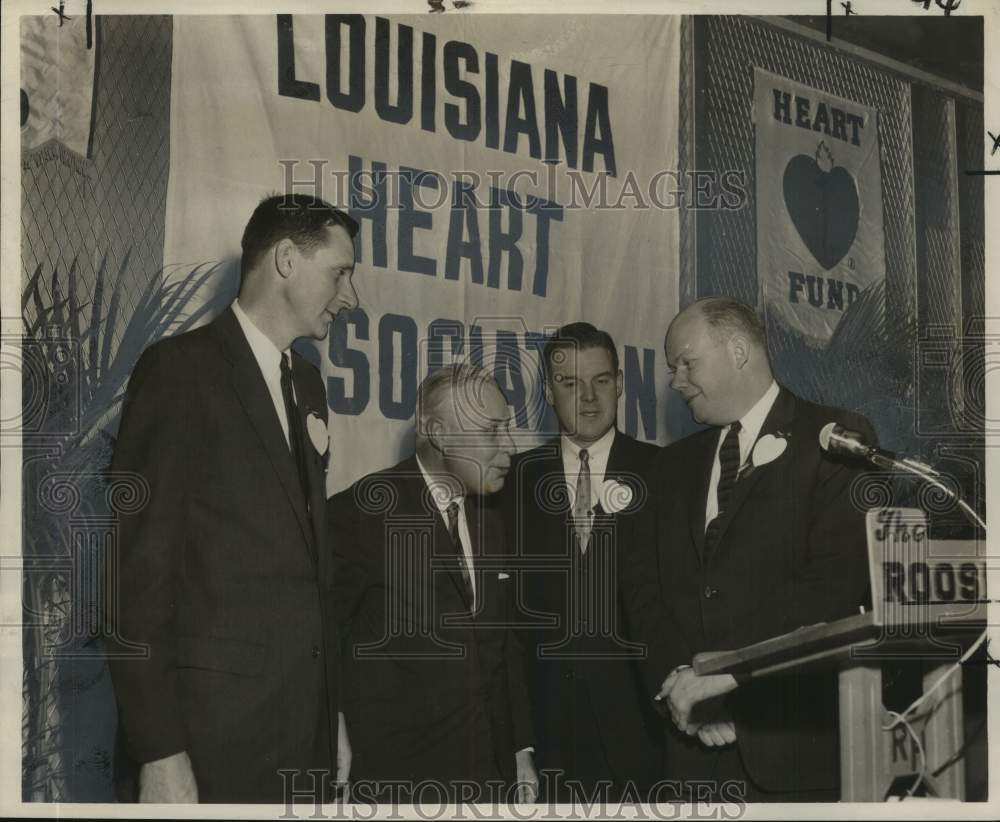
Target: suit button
x: 710, y: 592
x: 315, y: 652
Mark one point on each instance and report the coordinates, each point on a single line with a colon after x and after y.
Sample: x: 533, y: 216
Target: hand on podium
x: 684, y: 689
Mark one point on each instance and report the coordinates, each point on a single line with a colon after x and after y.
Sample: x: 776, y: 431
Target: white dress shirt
x: 463, y: 524
x: 269, y: 360
x: 751, y: 423
x: 597, y: 458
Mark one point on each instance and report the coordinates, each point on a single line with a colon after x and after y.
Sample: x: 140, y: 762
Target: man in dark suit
x: 593, y: 721
x: 750, y: 532
x: 434, y: 694
x: 223, y: 574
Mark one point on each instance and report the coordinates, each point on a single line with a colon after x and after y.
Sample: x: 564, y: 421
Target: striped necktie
x: 729, y: 465
x: 581, y: 502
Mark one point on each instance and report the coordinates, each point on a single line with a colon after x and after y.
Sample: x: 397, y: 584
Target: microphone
x: 835, y: 439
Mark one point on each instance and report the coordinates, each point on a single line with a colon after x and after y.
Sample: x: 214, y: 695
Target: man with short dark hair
x: 224, y: 575
x: 567, y: 500
x: 434, y: 694
x: 749, y: 533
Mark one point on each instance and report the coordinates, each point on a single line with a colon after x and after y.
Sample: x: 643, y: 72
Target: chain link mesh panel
x: 939, y: 304
x: 971, y: 131
x: 109, y: 209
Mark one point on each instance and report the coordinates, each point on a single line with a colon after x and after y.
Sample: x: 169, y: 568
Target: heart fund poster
x: 820, y: 241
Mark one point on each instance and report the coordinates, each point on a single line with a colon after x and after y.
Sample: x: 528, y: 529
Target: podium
x: 928, y: 608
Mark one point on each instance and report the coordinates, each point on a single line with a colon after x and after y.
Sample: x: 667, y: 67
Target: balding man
x: 222, y: 577
x: 749, y: 533
x: 434, y: 694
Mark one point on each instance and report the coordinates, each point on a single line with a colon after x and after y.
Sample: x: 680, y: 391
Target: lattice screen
x: 113, y: 206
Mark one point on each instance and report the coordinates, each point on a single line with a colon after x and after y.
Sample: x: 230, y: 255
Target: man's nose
x: 677, y: 382
x: 507, y: 443
x: 587, y: 393
x: 349, y: 296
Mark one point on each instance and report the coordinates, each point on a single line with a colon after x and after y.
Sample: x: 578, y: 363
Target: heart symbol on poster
x: 822, y: 200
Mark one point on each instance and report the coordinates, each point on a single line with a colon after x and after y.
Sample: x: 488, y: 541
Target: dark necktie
x: 456, y: 541
x: 296, y: 440
x: 581, y: 502
x: 729, y: 466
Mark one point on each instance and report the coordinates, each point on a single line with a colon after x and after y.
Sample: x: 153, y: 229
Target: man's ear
x: 435, y: 434
x: 284, y: 257
x: 619, y: 383
x: 549, y: 397
x: 739, y: 350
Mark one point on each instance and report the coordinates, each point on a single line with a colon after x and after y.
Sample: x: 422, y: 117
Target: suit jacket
x: 587, y: 641
x: 791, y: 552
x: 219, y: 573
x: 430, y: 691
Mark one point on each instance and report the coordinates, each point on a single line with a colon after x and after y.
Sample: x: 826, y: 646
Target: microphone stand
x: 924, y: 472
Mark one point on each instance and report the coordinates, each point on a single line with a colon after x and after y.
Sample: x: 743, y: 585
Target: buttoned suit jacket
x: 791, y: 551
x: 220, y: 578
x: 431, y: 689
x: 579, y: 594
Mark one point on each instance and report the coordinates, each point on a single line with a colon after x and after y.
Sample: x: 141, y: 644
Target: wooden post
x: 861, y: 734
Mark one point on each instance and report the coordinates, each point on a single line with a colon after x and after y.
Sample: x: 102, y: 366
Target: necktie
x: 456, y: 541
x: 295, y: 439
x: 729, y: 465
x: 581, y: 502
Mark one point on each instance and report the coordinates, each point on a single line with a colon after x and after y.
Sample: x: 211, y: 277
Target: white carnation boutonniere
x: 767, y: 449
x: 615, y: 496
x: 318, y: 434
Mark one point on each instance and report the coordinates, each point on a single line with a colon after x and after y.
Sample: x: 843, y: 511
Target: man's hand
x: 527, y: 778
x: 343, y: 751
x: 684, y: 689
x: 717, y: 733
x: 170, y: 779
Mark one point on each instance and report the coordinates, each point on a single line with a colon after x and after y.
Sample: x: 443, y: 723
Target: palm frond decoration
x: 866, y: 366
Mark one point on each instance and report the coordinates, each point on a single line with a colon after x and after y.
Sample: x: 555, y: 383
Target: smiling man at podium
x: 749, y: 533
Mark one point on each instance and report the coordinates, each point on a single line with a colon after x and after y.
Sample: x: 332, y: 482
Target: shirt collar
x: 266, y: 352
x: 753, y: 420
x: 595, y: 450
x: 441, y: 502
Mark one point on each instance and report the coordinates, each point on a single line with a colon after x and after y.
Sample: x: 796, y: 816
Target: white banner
x: 819, y: 204
x: 475, y: 243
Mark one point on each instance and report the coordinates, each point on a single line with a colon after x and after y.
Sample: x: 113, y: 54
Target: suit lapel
x: 779, y: 418
x: 546, y: 526
x: 617, y: 460
x: 476, y: 545
x: 617, y: 469
x: 698, y: 499
x: 252, y: 392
